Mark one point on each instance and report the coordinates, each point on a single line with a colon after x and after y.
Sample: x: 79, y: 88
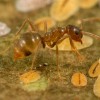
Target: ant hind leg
x: 24, y: 23
x: 16, y: 34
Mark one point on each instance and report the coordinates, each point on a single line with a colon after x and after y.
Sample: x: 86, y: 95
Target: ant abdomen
x: 26, y: 45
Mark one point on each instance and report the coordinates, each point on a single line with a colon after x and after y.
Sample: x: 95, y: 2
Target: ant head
x: 75, y: 33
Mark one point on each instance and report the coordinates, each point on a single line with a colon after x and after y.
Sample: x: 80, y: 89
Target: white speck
x: 74, y: 29
x: 22, y: 43
x: 29, y: 5
x: 4, y: 29
x: 33, y: 40
x: 37, y: 37
x: 62, y: 30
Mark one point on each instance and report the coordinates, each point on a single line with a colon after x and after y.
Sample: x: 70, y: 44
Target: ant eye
x: 77, y: 31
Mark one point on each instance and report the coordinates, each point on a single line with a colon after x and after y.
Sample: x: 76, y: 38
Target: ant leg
x: 45, y: 27
x: 34, y: 54
x: 33, y: 60
x: 23, y: 24
x: 80, y: 57
x: 61, y: 39
x: 57, y: 60
x: 57, y: 55
x: 3, y: 52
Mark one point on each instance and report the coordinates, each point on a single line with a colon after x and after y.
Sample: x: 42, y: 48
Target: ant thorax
x: 52, y: 37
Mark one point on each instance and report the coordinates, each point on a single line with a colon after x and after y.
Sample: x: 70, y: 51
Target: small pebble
x: 79, y: 79
x: 4, y: 29
x: 42, y: 66
x: 45, y: 64
x: 94, y: 70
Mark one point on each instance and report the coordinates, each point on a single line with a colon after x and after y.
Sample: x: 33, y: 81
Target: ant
x: 28, y: 43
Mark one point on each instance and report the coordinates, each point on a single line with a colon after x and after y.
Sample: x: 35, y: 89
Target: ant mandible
x: 29, y: 41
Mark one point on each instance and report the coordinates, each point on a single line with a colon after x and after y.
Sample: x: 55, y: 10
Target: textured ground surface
x: 10, y: 88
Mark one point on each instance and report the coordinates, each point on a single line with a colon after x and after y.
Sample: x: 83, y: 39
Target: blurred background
x: 56, y: 13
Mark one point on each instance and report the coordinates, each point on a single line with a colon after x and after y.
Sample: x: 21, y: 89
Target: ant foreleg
x: 61, y: 39
x: 57, y: 55
x: 58, y: 41
x: 80, y: 57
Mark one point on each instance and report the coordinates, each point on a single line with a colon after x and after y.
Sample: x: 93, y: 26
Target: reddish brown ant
x: 29, y: 41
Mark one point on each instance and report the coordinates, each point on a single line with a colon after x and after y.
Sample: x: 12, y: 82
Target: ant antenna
x: 91, y: 34
x: 89, y: 20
